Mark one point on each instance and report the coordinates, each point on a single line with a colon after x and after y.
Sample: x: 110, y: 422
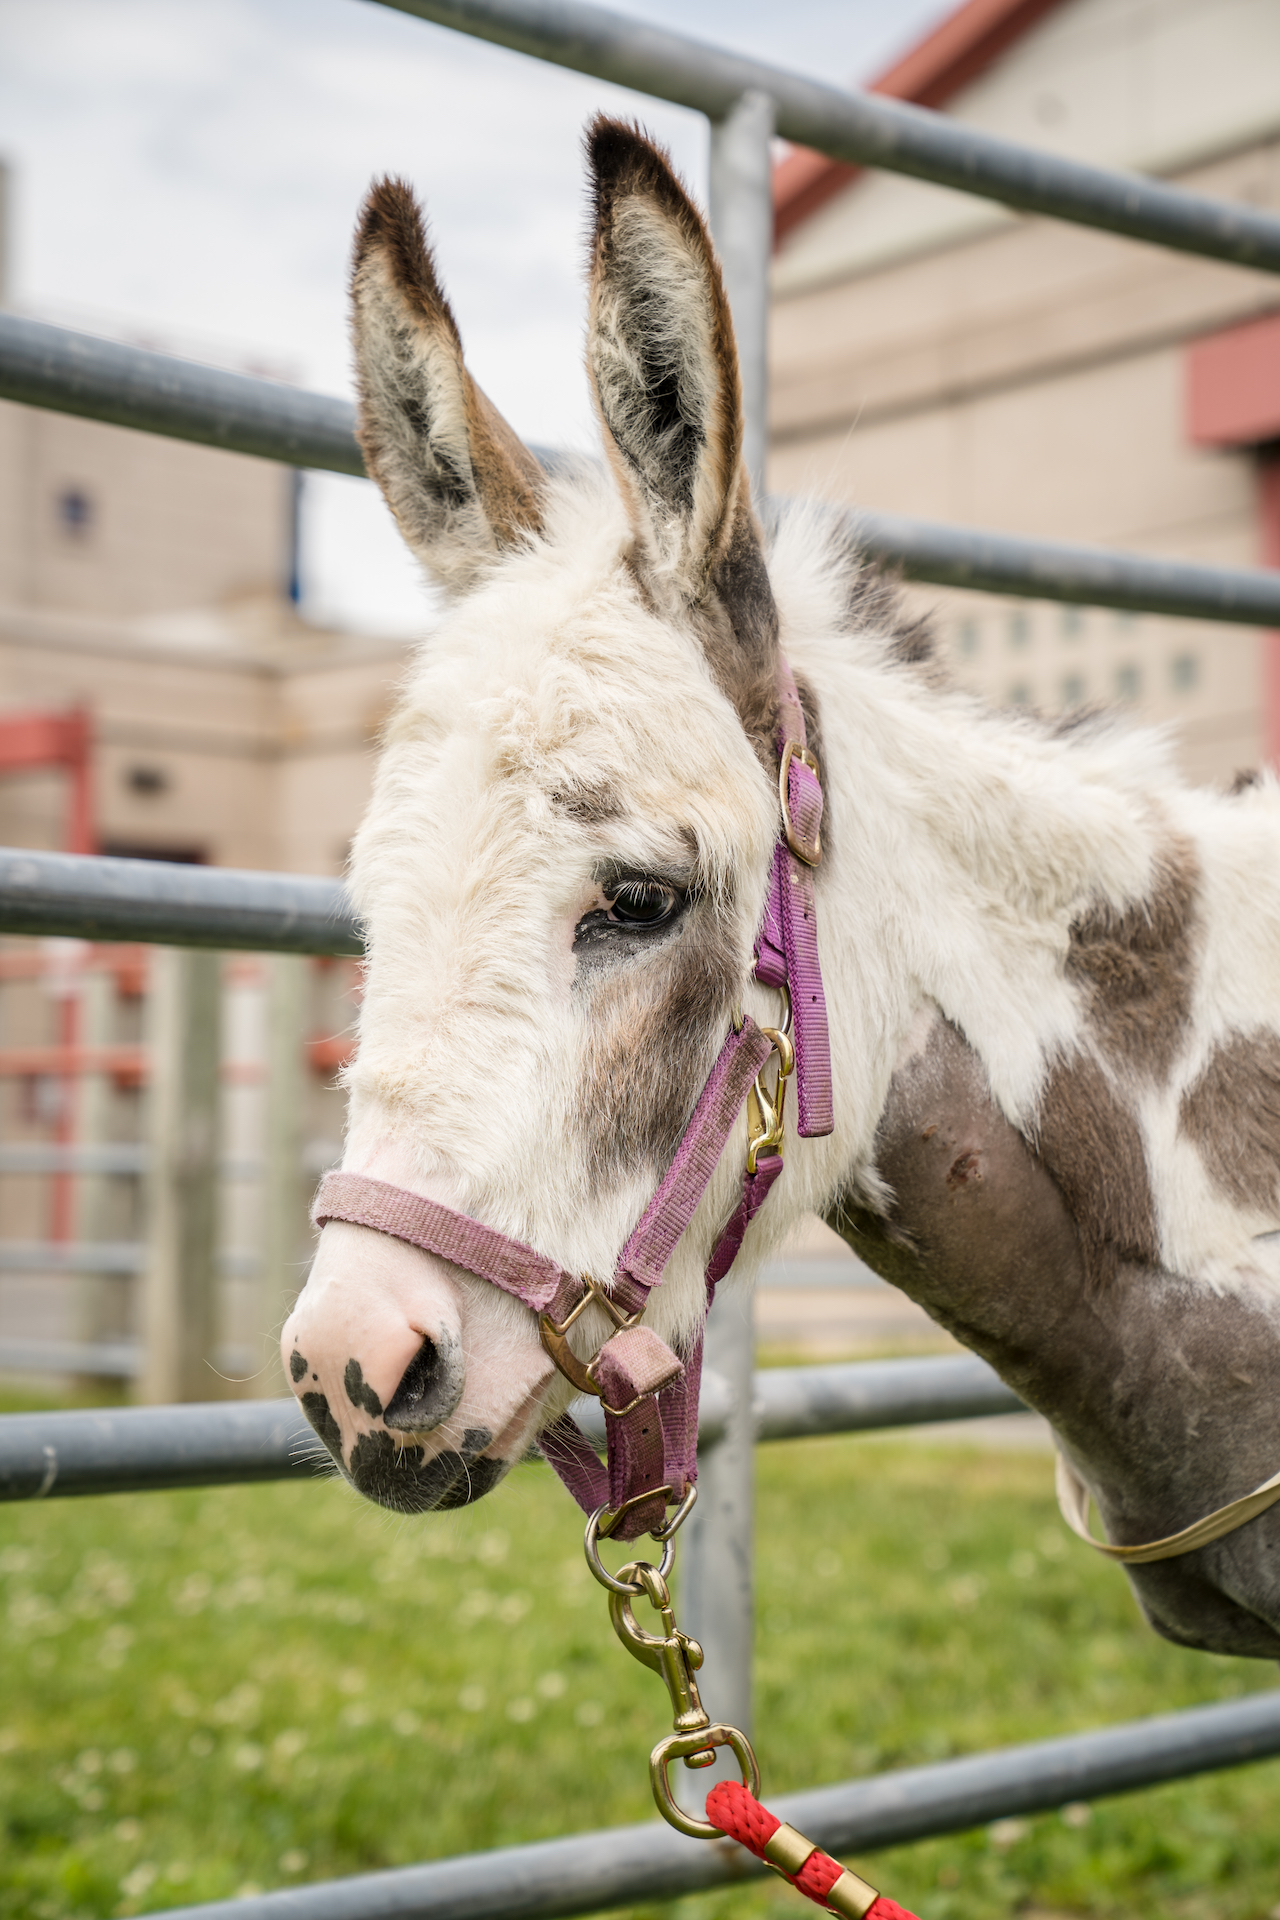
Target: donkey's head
x: 563, y: 864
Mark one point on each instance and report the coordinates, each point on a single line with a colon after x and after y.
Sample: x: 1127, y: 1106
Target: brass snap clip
x: 676, y: 1657
x: 766, y: 1109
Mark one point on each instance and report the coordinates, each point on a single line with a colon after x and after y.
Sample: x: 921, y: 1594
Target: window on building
x: 146, y: 780
x: 969, y: 638
x: 1128, y: 683
x: 1072, y: 623
x: 1073, y: 690
x: 1020, y: 695
x: 1019, y: 628
x: 75, y: 512
x: 1184, y: 672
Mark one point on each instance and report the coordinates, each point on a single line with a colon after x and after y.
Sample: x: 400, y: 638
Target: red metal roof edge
x: 960, y: 48
x: 1231, y: 394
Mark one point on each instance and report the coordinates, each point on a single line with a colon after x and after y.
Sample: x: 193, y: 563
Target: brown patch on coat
x: 590, y: 805
x: 875, y: 603
x: 1231, y: 1114
x: 746, y: 669
x: 1093, y: 1147
x: 393, y: 264
x: 507, y: 476
x: 976, y: 1229
x: 1137, y: 965
x: 1244, y: 778
x: 653, y: 1029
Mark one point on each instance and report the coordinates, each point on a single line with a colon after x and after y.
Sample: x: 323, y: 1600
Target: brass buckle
x: 792, y: 750
x: 619, y: 1413
x: 554, y: 1339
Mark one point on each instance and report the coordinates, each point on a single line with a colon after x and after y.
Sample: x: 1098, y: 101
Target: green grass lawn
x: 255, y: 1687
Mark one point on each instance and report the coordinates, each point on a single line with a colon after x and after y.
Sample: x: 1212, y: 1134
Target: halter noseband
x: 650, y: 1397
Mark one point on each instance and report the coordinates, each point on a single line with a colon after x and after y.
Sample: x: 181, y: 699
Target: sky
x: 186, y: 174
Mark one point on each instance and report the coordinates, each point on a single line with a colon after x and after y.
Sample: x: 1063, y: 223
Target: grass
x: 218, y: 1690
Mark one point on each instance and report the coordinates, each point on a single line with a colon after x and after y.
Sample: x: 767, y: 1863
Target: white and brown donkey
x: 1053, y: 971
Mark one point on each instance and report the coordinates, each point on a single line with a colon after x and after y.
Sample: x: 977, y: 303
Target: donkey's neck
x: 962, y: 846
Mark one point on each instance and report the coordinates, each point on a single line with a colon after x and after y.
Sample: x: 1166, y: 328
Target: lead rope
x: 733, y: 1807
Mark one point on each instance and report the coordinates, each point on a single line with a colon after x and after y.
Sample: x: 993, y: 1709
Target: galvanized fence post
x: 179, y: 1306
x: 718, y: 1547
x: 741, y: 208
x: 286, y: 1227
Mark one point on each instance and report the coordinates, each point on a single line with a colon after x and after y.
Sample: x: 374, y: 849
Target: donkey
x: 1053, y: 970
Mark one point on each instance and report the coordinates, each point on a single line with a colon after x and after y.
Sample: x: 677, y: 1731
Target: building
x: 148, y: 587
x: 146, y: 581
x: 161, y: 697
x: 938, y: 355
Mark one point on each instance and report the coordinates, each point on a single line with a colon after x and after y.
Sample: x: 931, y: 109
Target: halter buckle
x: 808, y: 851
x: 553, y: 1334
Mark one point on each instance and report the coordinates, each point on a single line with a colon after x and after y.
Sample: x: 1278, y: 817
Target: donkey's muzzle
x: 430, y: 1387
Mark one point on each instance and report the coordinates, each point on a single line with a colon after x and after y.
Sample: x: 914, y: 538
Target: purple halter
x: 649, y: 1397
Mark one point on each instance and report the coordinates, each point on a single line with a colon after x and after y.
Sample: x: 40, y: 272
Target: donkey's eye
x: 644, y: 903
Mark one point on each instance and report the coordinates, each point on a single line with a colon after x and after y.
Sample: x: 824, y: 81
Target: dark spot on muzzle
x: 316, y: 1408
x: 359, y: 1392
x: 402, y: 1478
x: 297, y: 1365
x: 430, y: 1389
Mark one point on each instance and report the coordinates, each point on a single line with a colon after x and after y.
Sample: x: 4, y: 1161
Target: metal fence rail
x: 46, y: 366
x: 149, y: 1449
x: 594, y: 1871
x: 864, y: 128
x: 972, y: 557
x: 94, y: 898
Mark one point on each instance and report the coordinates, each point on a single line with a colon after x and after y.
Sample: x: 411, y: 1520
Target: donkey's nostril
x: 430, y: 1388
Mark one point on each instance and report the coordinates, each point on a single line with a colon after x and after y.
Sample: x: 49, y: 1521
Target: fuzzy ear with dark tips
x: 462, y: 486
x: 664, y: 368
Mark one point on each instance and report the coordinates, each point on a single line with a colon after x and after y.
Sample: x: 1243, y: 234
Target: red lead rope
x: 738, y: 1813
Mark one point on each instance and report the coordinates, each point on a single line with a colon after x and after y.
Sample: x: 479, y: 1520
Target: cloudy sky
x: 186, y: 173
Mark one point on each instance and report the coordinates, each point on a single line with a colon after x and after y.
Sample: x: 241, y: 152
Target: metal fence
x: 47, y: 1455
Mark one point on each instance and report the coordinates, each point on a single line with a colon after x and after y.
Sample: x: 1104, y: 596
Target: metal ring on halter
x: 669, y: 1528
x: 595, y: 1531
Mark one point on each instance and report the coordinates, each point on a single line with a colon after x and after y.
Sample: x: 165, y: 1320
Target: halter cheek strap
x: 650, y: 1397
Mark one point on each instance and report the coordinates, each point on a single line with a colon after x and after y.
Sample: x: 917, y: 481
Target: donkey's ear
x: 461, y: 485
x: 664, y: 366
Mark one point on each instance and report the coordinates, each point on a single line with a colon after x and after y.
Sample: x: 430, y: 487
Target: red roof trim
x: 966, y: 43
x: 1233, y: 385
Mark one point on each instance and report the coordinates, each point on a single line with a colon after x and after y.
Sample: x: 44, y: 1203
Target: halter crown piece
x: 649, y: 1396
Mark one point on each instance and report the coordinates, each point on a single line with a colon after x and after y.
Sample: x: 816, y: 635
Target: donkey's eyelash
x: 611, y: 877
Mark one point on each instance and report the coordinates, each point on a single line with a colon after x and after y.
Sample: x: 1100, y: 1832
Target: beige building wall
x: 102, y: 521
x: 145, y: 580
x: 938, y: 356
